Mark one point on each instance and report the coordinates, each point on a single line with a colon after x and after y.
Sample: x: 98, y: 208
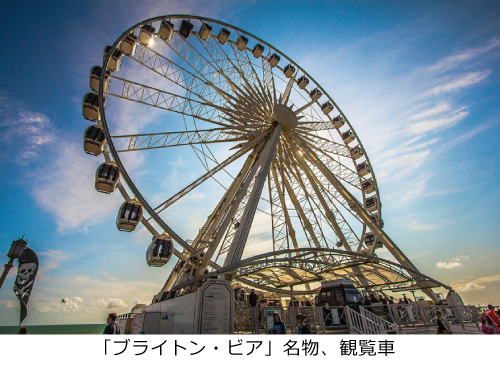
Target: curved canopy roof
x: 279, y: 270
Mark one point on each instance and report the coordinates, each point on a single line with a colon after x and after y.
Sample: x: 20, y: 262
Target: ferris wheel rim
x: 201, y: 18
x: 115, y: 154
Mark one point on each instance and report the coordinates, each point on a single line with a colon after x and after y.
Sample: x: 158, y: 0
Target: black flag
x: 26, y: 273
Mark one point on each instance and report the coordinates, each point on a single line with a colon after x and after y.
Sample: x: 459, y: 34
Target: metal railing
x: 367, y: 323
x: 319, y: 319
x: 253, y: 320
x: 383, y: 319
x: 386, y: 327
x: 417, y: 315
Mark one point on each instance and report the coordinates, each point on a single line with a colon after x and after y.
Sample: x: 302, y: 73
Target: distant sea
x: 57, y: 329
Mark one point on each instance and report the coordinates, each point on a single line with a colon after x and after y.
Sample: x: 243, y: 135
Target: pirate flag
x: 26, y: 273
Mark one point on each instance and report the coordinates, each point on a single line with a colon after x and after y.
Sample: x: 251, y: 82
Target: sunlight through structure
x: 298, y: 201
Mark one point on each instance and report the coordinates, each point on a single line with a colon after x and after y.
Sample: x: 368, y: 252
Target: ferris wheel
x: 276, y: 168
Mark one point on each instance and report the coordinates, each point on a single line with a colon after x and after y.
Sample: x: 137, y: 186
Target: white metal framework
x: 274, y: 148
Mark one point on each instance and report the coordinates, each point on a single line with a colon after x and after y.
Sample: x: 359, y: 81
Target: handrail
x: 389, y: 327
x: 363, y: 324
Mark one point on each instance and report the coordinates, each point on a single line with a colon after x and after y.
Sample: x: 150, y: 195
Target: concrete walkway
x: 455, y: 329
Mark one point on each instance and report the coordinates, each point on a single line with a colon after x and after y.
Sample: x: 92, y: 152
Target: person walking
x: 441, y: 325
x: 278, y: 325
x: 487, y: 324
x: 112, y: 327
x: 384, y: 305
x: 252, y: 299
x: 367, y: 303
x: 493, y: 316
x: 302, y: 328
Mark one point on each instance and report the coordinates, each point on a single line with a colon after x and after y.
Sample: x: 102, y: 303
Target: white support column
x: 240, y: 239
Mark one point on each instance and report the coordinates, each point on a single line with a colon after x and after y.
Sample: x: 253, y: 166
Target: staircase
x: 367, y: 322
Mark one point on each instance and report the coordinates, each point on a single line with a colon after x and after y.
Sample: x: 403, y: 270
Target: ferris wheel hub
x: 285, y: 116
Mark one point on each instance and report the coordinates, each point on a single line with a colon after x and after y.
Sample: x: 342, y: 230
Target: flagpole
x: 8, y: 266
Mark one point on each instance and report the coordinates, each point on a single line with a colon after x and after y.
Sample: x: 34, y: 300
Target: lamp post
x: 16, y: 249
x: 413, y: 292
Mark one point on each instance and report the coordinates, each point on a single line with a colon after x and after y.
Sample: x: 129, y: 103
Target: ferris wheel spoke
x: 245, y: 66
x: 216, y: 225
x: 301, y: 109
x: 140, y: 93
x: 224, y: 62
x: 268, y: 78
x: 135, y: 142
x: 326, y: 145
x: 308, y: 126
x: 342, y: 172
x: 326, y: 210
x: 206, y: 176
x: 288, y: 89
x: 277, y: 198
x: 240, y: 111
x: 332, y: 192
x: 356, y: 206
x: 348, y: 236
x: 295, y: 188
x: 327, y: 150
x: 200, y: 63
x: 259, y: 101
x: 244, y: 88
x: 214, y: 76
x: 317, y: 210
x: 307, y: 226
x: 197, y: 85
x: 334, y: 166
x: 278, y: 219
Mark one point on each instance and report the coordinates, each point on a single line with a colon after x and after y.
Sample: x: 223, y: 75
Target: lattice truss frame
x: 306, y: 179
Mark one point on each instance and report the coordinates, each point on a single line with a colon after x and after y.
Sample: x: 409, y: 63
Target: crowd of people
x: 490, y: 320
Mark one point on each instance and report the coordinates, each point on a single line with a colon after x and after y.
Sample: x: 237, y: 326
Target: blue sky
x: 419, y: 81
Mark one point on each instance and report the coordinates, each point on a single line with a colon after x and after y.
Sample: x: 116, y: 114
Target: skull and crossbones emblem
x: 25, y: 271
x: 22, y: 286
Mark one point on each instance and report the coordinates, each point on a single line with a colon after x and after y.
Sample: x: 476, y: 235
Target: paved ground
x: 409, y: 330
x: 455, y: 329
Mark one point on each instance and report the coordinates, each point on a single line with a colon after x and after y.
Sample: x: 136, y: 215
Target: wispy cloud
x: 419, y: 255
x: 464, y: 56
x: 68, y: 192
x: 110, y: 303
x: 470, y: 134
x: 431, y: 111
x: 77, y: 305
x: 52, y: 258
x: 438, y: 123
x: 27, y: 131
x: 415, y: 226
x: 430, y: 107
x: 470, y: 287
x: 456, y: 83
